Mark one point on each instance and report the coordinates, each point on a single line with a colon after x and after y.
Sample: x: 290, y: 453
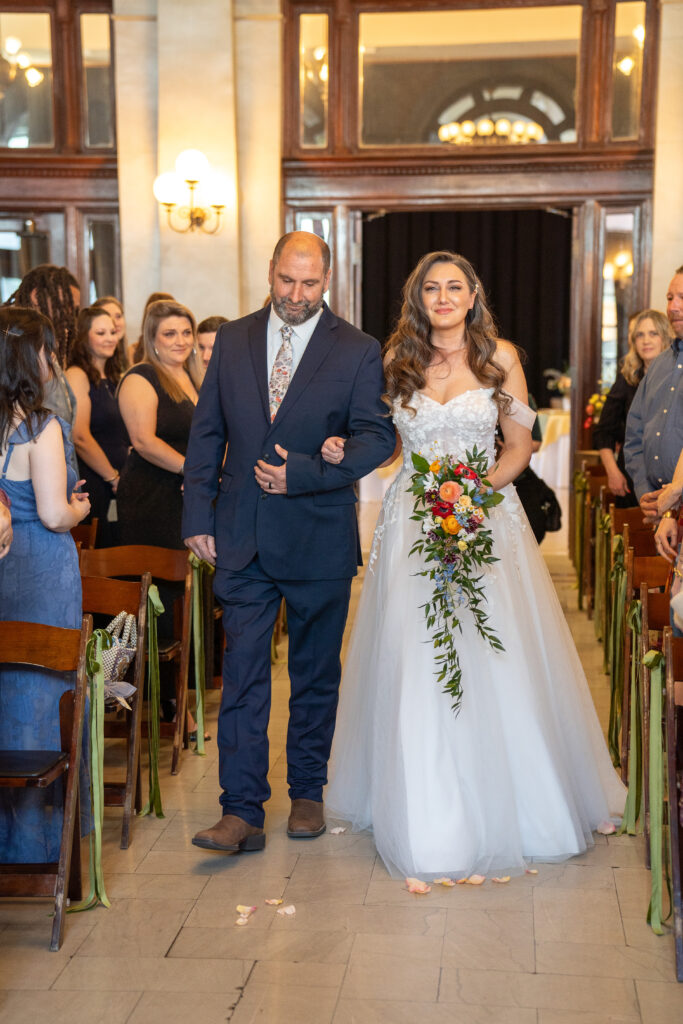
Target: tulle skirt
x: 522, y: 773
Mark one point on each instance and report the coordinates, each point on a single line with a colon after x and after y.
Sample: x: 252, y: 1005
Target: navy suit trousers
x: 316, y: 617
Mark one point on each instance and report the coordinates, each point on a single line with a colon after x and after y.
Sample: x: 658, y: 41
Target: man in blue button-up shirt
x: 654, y: 429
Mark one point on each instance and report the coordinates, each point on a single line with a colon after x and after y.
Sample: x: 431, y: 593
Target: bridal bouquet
x: 452, y: 501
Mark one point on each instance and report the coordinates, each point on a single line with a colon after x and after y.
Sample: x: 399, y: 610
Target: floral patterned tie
x: 281, y: 374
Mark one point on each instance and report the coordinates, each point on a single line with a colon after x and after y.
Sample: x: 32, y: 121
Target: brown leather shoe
x: 306, y: 820
x: 231, y: 835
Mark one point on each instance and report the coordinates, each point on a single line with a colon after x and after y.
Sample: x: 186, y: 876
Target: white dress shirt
x: 301, y: 335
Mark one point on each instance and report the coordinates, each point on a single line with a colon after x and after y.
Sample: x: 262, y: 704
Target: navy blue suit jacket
x: 311, y: 532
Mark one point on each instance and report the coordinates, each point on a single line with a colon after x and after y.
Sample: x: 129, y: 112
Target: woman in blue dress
x: 39, y: 577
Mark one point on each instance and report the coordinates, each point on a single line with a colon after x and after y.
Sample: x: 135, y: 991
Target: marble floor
x: 566, y: 946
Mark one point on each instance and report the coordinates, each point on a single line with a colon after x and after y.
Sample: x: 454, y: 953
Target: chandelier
x: 502, y: 131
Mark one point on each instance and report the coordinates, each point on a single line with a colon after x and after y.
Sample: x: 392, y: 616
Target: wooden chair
x: 649, y: 572
x: 85, y: 534
x: 172, y: 566
x: 673, y: 654
x: 61, y: 650
x: 656, y: 617
x: 104, y: 596
x: 597, y: 481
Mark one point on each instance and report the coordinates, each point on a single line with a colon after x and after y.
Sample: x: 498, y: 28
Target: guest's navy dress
x: 611, y: 430
x: 149, y: 498
x: 109, y: 430
x: 39, y: 582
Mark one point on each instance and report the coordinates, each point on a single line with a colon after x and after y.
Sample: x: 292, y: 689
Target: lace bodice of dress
x: 453, y: 428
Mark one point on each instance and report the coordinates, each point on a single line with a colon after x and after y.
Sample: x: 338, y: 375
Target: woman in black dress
x: 99, y: 433
x: 157, y: 400
x: 649, y: 334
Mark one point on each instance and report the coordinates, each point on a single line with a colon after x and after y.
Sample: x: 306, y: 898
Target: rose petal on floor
x: 606, y: 828
x: 501, y: 881
x: 245, y: 911
x: 532, y: 871
x: 337, y: 831
x: 417, y: 886
x: 461, y: 881
x: 287, y: 911
x: 448, y: 882
x: 476, y: 879
x: 274, y: 903
x: 242, y: 920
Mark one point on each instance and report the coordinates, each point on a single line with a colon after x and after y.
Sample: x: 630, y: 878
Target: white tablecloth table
x: 551, y: 461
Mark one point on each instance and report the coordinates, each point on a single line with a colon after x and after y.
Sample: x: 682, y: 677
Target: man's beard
x: 303, y: 312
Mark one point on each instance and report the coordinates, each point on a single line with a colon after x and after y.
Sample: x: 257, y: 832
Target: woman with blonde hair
x: 522, y: 772
x: 157, y: 398
x: 649, y: 334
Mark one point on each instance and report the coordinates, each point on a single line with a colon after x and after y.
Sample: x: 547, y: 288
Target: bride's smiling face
x: 446, y: 296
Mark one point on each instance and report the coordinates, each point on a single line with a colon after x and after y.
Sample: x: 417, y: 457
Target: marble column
x: 258, y: 62
x: 667, y: 238
x: 135, y: 32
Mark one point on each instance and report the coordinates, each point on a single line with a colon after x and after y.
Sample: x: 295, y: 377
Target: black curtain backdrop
x: 523, y: 258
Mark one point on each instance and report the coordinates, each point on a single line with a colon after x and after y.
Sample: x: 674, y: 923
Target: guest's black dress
x: 149, y: 498
x: 611, y: 430
x: 150, y: 503
x: 109, y: 430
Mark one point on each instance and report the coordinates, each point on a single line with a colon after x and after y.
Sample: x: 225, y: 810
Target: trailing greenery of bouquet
x: 452, y: 502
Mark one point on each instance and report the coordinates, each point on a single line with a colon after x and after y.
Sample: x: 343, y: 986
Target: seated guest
x: 39, y: 577
x: 157, y: 400
x: 649, y: 334
x: 137, y: 351
x: 54, y: 291
x: 99, y: 432
x: 110, y: 304
x: 206, y: 335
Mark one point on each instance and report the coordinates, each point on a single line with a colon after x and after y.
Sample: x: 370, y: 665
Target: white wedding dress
x: 522, y: 773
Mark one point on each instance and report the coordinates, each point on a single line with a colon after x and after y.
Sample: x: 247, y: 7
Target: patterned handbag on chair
x: 117, y: 657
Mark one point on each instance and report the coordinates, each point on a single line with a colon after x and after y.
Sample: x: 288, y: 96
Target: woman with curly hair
x: 649, y: 334
x: 521, y: 772
x: 55, y: 293
x: 100, y: 435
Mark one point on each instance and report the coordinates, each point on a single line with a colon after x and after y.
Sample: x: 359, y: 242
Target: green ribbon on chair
x: 600, y: 572
x: 580, y: 488
x: 629, y: 823
x: 154, y: 609
x: 659, y: 859
x: 99, y: 640
x: 618, y: 578
x: 604, y: 528
x: 199, y: 568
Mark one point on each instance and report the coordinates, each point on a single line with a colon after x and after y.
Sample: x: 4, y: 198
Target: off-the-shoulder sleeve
x: 521, y: 413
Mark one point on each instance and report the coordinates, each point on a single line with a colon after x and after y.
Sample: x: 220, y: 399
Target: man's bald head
x: 303, y: 243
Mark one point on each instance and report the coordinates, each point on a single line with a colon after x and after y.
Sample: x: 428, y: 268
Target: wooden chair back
x: 673, y: 656
x: 104, y: 596
x: 620, y: 516
x: 656, y: 618
x: 134, y: 560
x: 85, y: 534
x: 61, y: 650
x: 170, y: 565
x: 642, y: 542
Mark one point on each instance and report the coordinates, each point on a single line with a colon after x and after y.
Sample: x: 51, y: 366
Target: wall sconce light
x: 193, y: 193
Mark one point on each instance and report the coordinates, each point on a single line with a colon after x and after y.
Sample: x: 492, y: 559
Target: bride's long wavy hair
x: 409, y: 349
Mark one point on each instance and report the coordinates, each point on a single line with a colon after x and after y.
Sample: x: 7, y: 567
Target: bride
x: 522, y: 772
